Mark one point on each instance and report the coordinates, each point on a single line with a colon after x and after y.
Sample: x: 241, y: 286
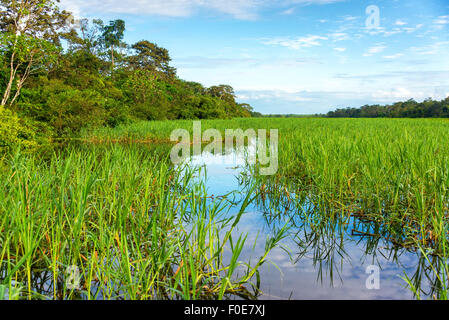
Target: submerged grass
x: 115, y: 223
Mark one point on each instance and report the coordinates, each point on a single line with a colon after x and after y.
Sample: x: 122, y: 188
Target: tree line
x: 58, y: 75
x: 409, y: 109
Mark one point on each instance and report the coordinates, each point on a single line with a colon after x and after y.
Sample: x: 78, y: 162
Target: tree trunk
x: 112, y: 61
x: 21, y: 81
x: 12, y: 74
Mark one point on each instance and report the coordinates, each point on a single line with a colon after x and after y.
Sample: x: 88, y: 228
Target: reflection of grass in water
x: 119, y: 215
x: 432, y: 266
x: 391, y: 176
x: 390, y: 173
x: 323, y: 237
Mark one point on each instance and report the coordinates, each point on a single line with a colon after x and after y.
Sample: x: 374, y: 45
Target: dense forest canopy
x: 409, y: 109
x: 58, y: 75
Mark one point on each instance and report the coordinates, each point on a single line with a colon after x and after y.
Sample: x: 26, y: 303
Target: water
x: 329, y: 263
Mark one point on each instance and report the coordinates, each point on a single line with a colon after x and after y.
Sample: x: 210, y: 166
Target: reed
x: 392, y: 174
x: 121, y: 214
x: 132, y: 224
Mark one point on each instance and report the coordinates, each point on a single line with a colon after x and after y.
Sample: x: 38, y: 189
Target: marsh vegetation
x: 138, y: 227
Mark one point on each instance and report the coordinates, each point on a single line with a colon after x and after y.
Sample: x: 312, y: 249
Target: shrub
x: 15, y: 132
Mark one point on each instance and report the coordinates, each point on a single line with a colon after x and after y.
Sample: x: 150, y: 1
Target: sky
x: 296, y: 56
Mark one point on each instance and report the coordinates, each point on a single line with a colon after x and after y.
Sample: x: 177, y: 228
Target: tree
x: 408, y: 109
x: 29, y: 39
x: 142, y: 84
x: 150, y: 56
x: 88, y: 38
x: 112, y: 37
x: 224, y: 92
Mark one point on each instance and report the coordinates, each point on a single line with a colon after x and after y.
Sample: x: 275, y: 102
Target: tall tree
x: 29, y: 38
x: 87, y: 36
x: 150, y: 56
x: 112, y: 37
x: 224, y: 92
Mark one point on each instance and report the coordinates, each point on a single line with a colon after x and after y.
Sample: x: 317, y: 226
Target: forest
x: 59, y: 75
x: 429, y: 108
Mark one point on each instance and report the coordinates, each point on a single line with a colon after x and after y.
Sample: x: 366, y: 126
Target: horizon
x: 296, y: 56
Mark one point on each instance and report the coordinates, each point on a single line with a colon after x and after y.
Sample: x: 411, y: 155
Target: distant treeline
x: 58, y: 75
x: 260, y: 115
x: 409, y: 109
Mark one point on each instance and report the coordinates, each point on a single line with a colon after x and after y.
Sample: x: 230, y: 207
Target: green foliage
x: 408, y: 109
x: 29, y: 41
x: 113, y: 33
x: 14, y: 131
x: 150, y: 56
x: 97, y: 81
x: 25, y: 47
x: 63, y: 107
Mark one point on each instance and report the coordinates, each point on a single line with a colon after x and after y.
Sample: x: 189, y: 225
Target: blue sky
x: 296, y: 56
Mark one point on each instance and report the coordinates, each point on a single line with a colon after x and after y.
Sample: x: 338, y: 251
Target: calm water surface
x: 311, y: 265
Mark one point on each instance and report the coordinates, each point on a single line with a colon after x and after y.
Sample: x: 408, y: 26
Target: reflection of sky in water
x: 300, y: 279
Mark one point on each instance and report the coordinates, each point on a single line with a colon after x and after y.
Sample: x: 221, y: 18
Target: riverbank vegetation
x: 429, y: 108
x: 58, y: 75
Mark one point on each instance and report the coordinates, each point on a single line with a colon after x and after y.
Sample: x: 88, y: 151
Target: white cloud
x: 309, y: 2
x: 339, y: 36
x: 305, y: 41
x: 375, y: 49
x: 239, y: 9
x: 298, y: 43
x: 311, y: 101
x: 286, y: 95
x: 394, y: 56
x: 340, y: 49
x: 399, y: 94
x: 392, y: 32
x: 400, y: 23
x: 243, y: 62
x: 289, y: 11
x: 440, y: 47
x: 413, y: 29
x: 442, y: 20
x: 172, y: 8
x: 375, y: 31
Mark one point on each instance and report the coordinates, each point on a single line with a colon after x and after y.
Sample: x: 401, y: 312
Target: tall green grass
x: 390, y: 173
x: 133, y: 225
x: 394, y: 171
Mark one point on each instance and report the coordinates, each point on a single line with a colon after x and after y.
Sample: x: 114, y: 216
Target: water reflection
x: 326, y: 254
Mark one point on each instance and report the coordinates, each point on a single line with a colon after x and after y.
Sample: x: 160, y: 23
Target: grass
x: 132, y: 225
x: 390, y: 170
x: 390, y: 173
x: 136, y: 229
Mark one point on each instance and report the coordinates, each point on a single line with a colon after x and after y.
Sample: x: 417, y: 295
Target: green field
x: 112, y: 203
